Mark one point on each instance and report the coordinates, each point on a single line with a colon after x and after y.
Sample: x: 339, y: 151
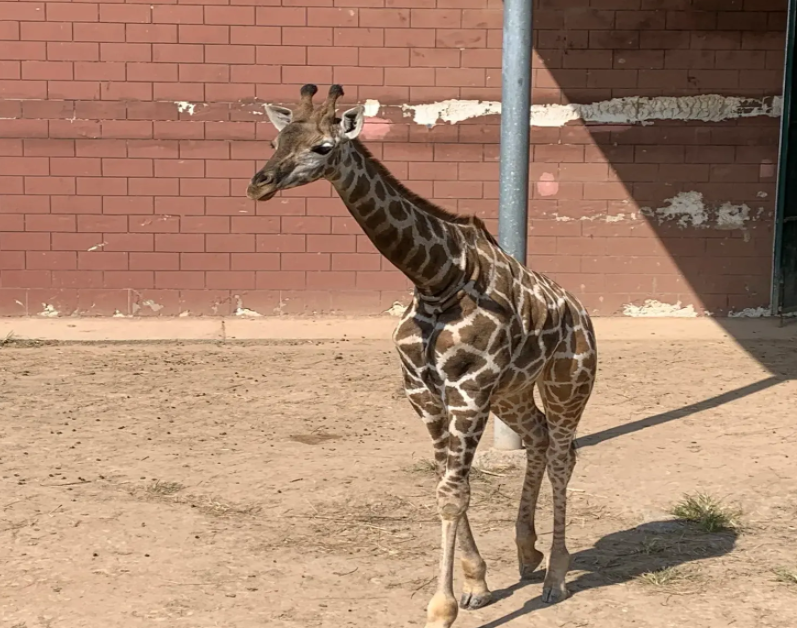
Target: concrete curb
x: 365, y: 328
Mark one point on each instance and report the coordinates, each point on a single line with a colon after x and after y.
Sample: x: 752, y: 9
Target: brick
x: 205, y: 224
x: 107, y: 71
x: 332, y: 17
x: 742, y: 21
x: 321, y: 55
x: 154, y: 261
x: 126, y: 129
x: 232, y: 280
x: 125, y: 13
x: 204, y: 261
x: 97, y: 32
x: 129, y: 242
x: 282, y: 280
x: 230, y: 15
x: 280, y: 243
x: 232, y: 243
x: 45, y: 31
x: 50, y: 260
x: 435, y: 18
x: 407, y: 37
x: 304, y: 261
x: 147, y: 72
x: 713, y: 40
x: 102, y: 224
x: 27, y: 279
x: 23, y: 11
x: 306, y: 36
x: 124, y: 52
x: 361, y: 37
x: 179, y: 242
x: 640, y: 20
x: 22, y: 50
x: 24, y: 166
x: 282, y: 16
x: 255, y: 35
x: 44, y: 70
x: 255, y: 261
x: 75, y: 205
x: 102, y: 260
x: 203, y: 34
x: 484, y: 18
x: 211, y: 73
x: 177, y: 14
x: 100, y: 148
x: 75, y: 166
x: 192, y: 280
x: 410, y: 76
x: 49, y: 185
x: 460, y: 38
x: 179, y: 168
x: 153, y: 33
x: 72, y: 12
x: 385, y: 18
x: 49, y: 222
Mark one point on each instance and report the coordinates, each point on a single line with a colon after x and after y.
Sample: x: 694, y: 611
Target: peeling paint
x: 242, y: 311
x: 97, y: 246
x: 751, y: 312
x: 654, y: 308
x: 155, y: 307
x: 731, y: 216
x: 600, y: 217
x: 688, y: 209
x: 627, y: 110
x: 547, y: 185
x: 118, y: 314
x: 49, y: 311
x: 183, y: 106
x: 371, y: 107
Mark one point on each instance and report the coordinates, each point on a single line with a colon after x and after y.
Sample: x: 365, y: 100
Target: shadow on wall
x: 656, y: 158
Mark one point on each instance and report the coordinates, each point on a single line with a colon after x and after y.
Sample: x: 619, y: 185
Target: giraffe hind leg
x: 565, y: 391
x: 520, y: 412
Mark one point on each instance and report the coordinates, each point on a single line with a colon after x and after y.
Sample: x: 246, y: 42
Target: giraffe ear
x: 280, y: 116
x: 351, y: 122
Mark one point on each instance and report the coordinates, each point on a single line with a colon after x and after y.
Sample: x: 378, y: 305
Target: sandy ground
x: 286, y: 484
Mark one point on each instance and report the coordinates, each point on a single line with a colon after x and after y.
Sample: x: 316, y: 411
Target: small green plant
x: 708, y: 513
x: 786, y: 575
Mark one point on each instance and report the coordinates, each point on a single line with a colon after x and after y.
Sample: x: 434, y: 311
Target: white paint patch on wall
x: 628, y: 110
x: 751, y: 312
x: 183, y: 106
x: 688, y: 209
x: 654, y: 308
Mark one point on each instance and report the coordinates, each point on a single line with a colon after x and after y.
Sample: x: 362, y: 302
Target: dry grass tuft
x: 786, y: 575
x: 668, y: 577
x: 164, y: 488
x: 708, y: 513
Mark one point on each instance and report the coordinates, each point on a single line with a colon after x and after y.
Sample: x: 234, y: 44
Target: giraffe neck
x: 419, y: 239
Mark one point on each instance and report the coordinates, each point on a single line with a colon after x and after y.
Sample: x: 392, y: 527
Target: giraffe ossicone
x: 482, y: 332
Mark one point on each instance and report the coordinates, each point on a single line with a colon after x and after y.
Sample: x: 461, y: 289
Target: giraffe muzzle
x: 261, y: 187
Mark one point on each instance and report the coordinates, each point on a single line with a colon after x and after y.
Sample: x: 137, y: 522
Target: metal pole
x: 514, y: 167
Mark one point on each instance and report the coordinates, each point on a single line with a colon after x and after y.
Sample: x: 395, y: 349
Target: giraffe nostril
x: 264, y: 178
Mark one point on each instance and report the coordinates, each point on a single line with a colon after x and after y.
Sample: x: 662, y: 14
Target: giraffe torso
x: 497, y: 337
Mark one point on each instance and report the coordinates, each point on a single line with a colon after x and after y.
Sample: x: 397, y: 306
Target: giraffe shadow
x: 623, y: 556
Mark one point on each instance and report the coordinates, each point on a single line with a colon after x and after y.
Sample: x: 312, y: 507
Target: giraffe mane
x: 423, y: 203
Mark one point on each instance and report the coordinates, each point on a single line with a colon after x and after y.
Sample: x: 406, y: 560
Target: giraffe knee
x: 453, y: 498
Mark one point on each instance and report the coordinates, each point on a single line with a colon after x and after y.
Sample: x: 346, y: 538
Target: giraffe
x: 482, y: 332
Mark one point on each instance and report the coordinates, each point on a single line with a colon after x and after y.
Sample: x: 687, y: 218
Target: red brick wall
x: 116, y: 201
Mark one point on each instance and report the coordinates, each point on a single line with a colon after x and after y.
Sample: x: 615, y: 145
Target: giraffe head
x: 308, y: 143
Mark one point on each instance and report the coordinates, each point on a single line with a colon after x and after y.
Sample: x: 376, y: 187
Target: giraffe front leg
x: 465, y: 428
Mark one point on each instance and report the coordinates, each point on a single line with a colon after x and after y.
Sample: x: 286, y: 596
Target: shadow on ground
x: 626, y: 555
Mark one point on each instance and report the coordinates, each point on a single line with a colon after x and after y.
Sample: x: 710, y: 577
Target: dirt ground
x: 287, y: 485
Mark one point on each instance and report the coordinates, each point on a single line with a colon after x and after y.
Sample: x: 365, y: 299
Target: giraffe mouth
x: 259, y: 194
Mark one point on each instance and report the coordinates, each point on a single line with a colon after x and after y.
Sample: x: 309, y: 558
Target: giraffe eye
x: 322, y: 149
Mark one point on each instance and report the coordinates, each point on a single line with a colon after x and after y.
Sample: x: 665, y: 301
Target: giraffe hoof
x: 529, y: 572
x: 472, y: 601
x: 551, y: 594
